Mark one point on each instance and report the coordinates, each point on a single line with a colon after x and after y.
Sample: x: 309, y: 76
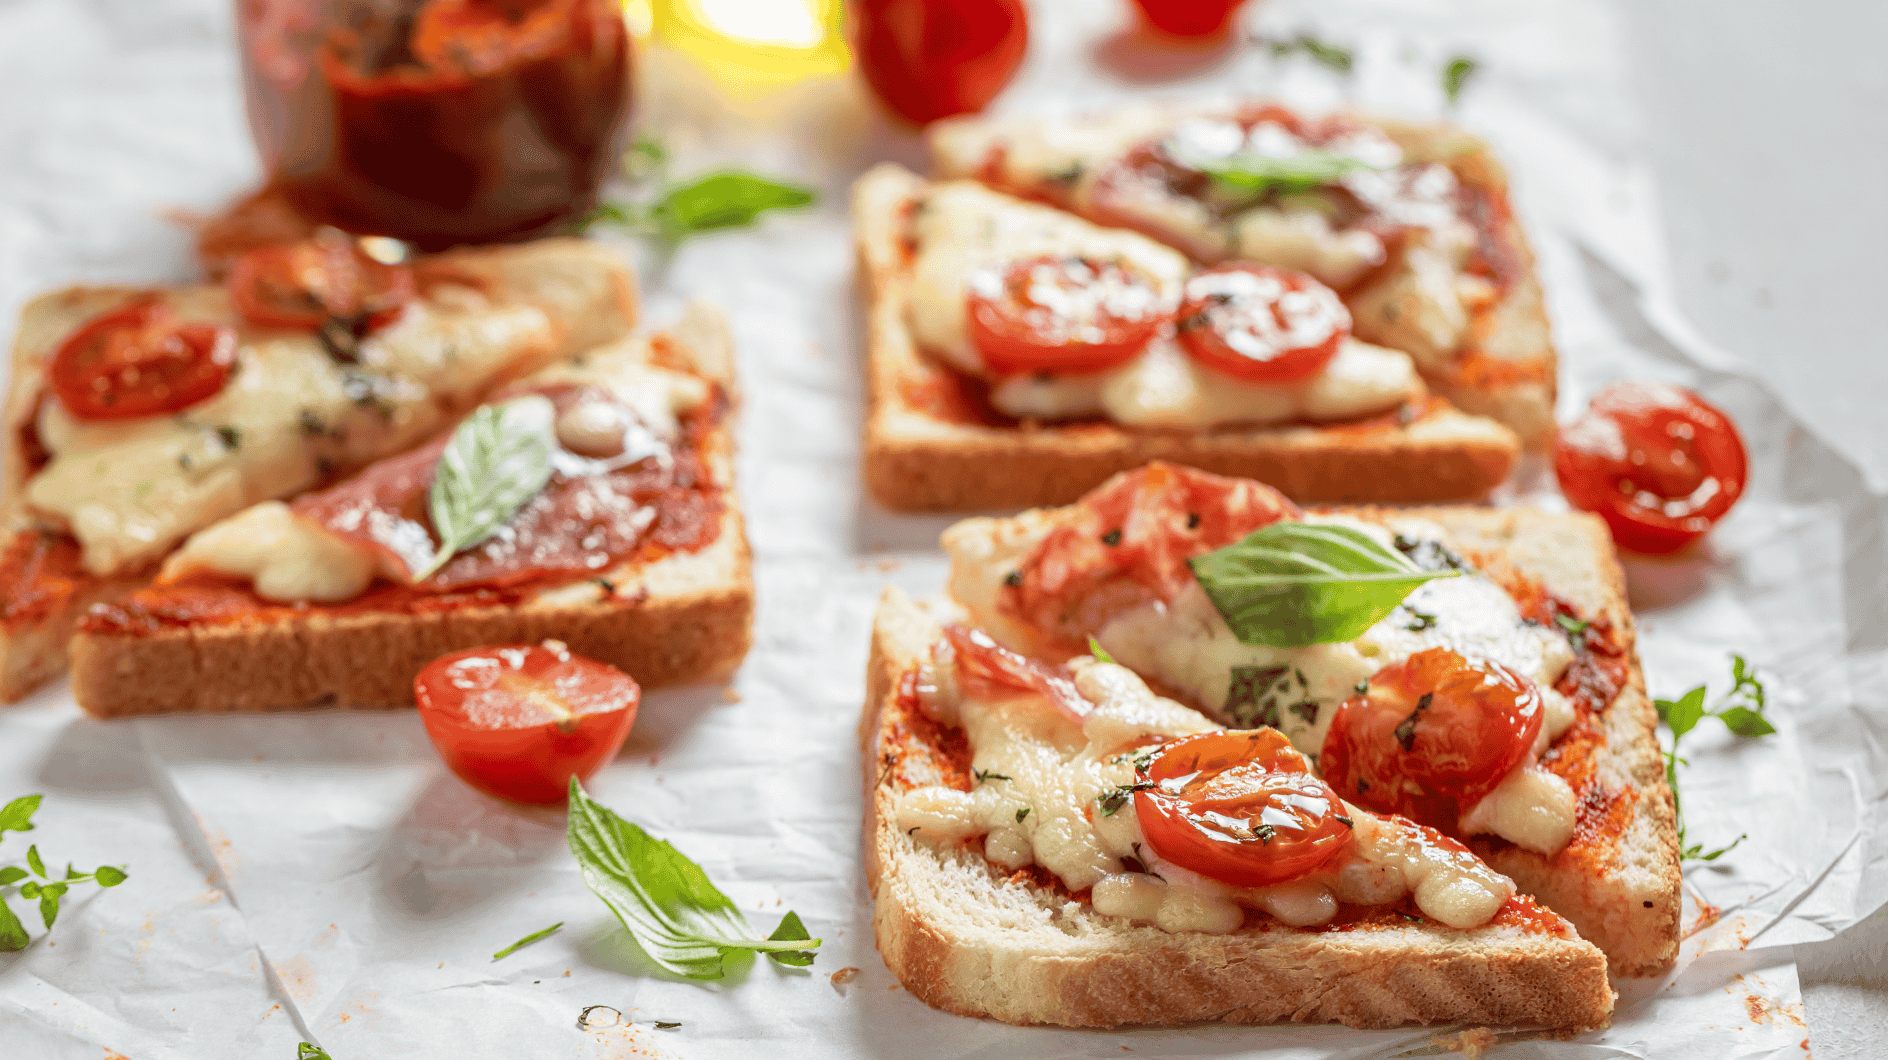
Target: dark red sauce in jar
x: 441, y: 122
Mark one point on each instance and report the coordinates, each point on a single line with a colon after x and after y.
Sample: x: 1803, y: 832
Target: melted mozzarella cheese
x: 1303, y: 239
x: 1036, y: 151
x: 1165, y: 388
x: 129, y: 491
x: 1040, y: 776
x: 285, y: 556
x: 1532, y: 808
x: 963, y: 227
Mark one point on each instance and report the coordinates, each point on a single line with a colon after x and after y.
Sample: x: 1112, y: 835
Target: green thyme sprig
x: 730, y: 199
x: 34, y: 881
x: 1741, y: 711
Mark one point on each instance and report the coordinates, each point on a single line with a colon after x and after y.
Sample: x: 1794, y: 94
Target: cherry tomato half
x: 1240, y: 807
x: 1454, y: 727
x: 1261, y: 324
x: 140, y: 360
x: 518, y: 721
x: 1189, y: 18
x: 930, y: 59
x: 302, y: 285
x: 1655, y: 461
x: 1128, y: 542
x: 1053, y: 314
x: 982, y: 661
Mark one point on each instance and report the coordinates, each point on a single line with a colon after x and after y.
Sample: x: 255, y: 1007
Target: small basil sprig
x: 1741, y: 711
x: 729, y: 199
x: 1455, y: 75
x: 1294, y: 584
x: 17, y: 816
x: 1263, y: 174
x: 499, y: 458
x: 535, y: 936
x: 1331, y: 55
x: 668, y: 904
x: 311, y: 1051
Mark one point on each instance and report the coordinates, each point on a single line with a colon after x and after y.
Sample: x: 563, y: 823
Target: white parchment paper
x: 324, y: 878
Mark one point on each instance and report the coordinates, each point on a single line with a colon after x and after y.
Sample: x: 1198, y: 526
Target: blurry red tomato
x: 930, y: 59
x: 1189, y: 18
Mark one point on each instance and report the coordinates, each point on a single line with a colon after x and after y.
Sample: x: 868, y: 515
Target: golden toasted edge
x: 684, y: 618
x: 916, y: 462
x: 1140, y: 975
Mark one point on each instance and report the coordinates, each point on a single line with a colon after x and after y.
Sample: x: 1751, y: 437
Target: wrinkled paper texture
x: 323, y: 877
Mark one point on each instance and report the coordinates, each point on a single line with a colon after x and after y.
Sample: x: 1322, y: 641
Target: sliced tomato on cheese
x: 1432, y: 735
x: 1128, y: 542
x: 1240, y: 807
x: 1062, y: 314
x: 140, y: 360
x: 517, y: 722
x: 305, y: 284
x: 1260, y: 324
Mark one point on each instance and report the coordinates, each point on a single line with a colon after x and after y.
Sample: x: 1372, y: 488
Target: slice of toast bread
x: 972, y: 939
x: 1618, y: 880
x: 681, y: 618
x: 584, y: 291
x: 1506, y: 365
x: 923, y: 453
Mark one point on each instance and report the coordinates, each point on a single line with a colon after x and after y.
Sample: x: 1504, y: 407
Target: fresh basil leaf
x: 32, y: 860
x: 1684, y: 714
x: 311, y: 1051
x: 535, y: 936
x: 1294, y: 584
x: 29, y: 889
x: 723, y: 200
x: 665, y: 900
x: 1263, y: 174
x: 1099, y: 652
x: 48, y: 906
x: 498, y: 459
x: 1455, y: 75
x: 17, y: 816
x: 1744, y: 721
x: 11, y: 874
x: 107, y: 876
x: 790, y: 930
x: 1692, y: 853
x: 13, y: 936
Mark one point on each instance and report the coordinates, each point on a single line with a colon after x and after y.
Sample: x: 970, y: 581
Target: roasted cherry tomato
x: 982, y: 661
x: 1189, y: 18
x: 304, y: 285
x: 1240, y: 807
x: 481, y: 36
x: 1655, y: 461
x: 1052, y: 314
x: 140, y: 360
x: 1453, y: 727
x: 930, y: 59
x: 1261, y: 324
x: 517, y: 722
x: 1128, y: 542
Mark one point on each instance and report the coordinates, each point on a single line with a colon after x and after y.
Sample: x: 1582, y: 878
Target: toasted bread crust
x: 685, y: 617
x: 1040, y: 957
x: 1515, y: 329
x: 583, y: 287
x: 917, y: 461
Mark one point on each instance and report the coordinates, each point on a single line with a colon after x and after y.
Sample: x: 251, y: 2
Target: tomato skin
x: 1261, y: 324
x: 1189, y: 18
x: 930, y: 59
x: 1128, y: 542
x: 1016, y: 333
x: 140, y: 360
x: 484, y: 710
x: 1240, y: 777
x: 300, y: 286
x: 1475, y: 722
x: 1656, y: 461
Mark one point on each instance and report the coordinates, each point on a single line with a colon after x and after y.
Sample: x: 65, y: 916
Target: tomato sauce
x: 441, y: 122
x: 577, y: 529
x: 40, y: 573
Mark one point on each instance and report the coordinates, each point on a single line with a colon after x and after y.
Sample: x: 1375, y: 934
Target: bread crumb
x: 1471, y: 1043
x: 894, y: 986
x: 844, y: 976
x: 730, y: 695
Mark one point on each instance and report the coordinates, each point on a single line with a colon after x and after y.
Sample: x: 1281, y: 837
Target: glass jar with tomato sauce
x: 441, y: 122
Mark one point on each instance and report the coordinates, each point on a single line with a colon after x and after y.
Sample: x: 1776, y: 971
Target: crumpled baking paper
x: 323, y: 878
